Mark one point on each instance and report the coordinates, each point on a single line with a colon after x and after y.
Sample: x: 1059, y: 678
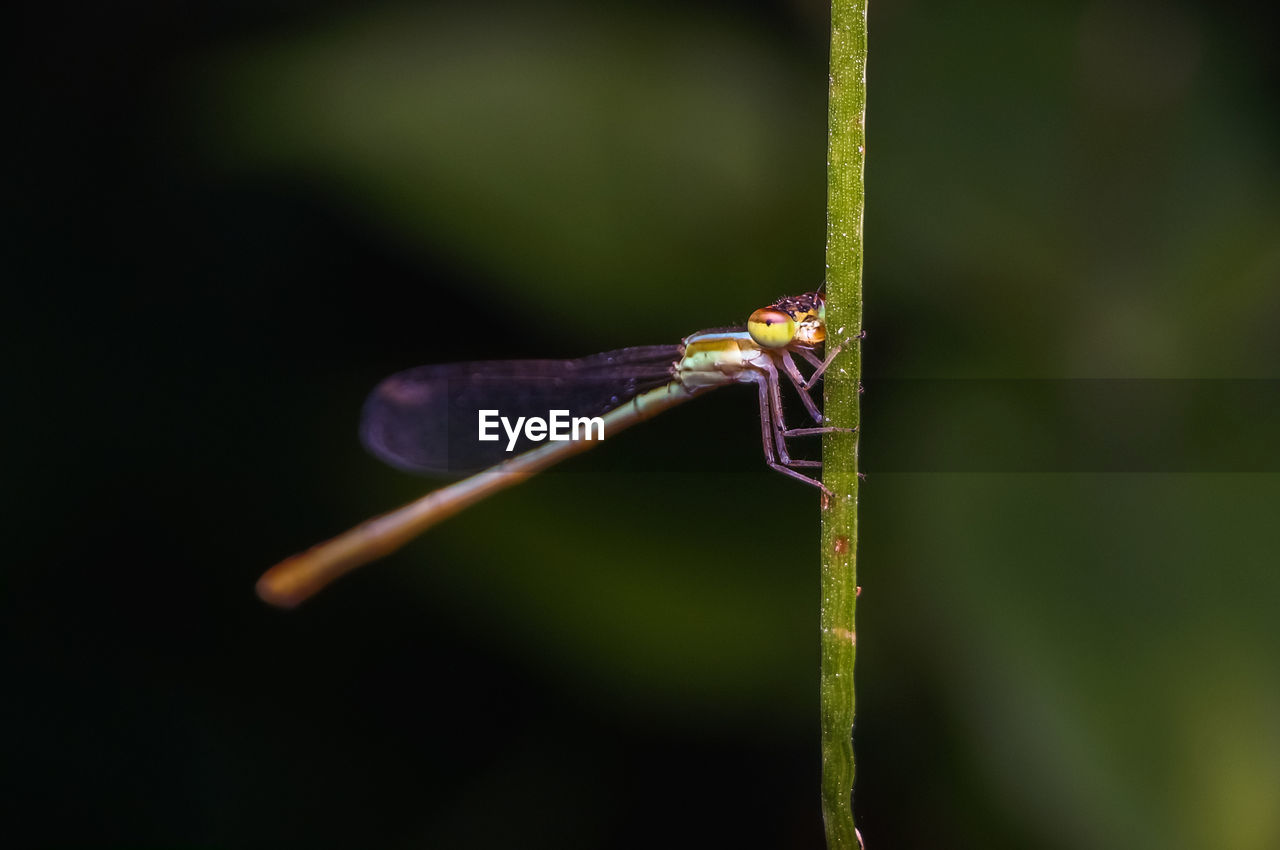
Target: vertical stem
x: 846, y: 147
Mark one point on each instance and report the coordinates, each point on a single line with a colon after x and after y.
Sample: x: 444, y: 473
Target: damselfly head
x: 798, y: 320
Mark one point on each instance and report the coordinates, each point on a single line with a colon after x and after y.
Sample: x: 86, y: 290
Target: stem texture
x: 846, y: 154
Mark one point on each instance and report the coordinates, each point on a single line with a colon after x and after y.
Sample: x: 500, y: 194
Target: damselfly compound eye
x: 771, y: 327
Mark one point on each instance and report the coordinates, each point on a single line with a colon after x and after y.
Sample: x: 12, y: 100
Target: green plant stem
x: 846, y: 149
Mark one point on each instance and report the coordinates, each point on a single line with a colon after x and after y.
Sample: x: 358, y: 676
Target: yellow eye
x: 771, y: 327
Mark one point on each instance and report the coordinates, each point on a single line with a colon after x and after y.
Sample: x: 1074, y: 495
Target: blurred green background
x: 227, y: 222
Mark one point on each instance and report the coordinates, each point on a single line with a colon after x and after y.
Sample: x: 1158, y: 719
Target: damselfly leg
x: 773, y: 419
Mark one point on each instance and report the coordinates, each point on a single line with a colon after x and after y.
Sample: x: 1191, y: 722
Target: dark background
x: 226, y: 222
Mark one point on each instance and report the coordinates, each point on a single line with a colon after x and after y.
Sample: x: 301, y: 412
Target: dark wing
x: 426, y: 420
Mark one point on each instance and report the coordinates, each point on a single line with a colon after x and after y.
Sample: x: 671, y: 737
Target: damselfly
x: 425, y: 420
